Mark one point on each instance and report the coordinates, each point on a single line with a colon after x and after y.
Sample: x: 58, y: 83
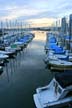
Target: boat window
x: 45, y: 88
x: 54, y: 83
x: 56, y: 86
x: 59, y: 90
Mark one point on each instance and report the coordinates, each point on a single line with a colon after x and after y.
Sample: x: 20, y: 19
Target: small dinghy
x: 57, y: 94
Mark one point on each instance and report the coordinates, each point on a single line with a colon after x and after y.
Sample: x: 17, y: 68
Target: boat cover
x: 67, y: 37
x: 59, y: 51
x: 64, y: 79
x: 52, y: 40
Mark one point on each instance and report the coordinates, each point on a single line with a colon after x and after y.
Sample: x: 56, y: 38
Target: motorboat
x: 57, y: 94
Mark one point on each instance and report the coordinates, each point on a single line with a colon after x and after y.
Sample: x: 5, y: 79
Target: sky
x: 35, y: 12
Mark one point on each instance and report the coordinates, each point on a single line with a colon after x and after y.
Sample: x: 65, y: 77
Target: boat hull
x: 56, y: 104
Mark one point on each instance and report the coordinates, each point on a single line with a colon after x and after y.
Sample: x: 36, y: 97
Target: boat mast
x: 21, y: 29
x: 2, y: 30
x: 16, y: 26
x: 7, y: 25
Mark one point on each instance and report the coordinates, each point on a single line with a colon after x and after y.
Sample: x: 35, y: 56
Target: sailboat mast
x: 2, y: 30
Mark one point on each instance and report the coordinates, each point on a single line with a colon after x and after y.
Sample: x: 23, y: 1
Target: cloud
x: 34, y: 10
x: 38, y: 9
x: 16, y: 12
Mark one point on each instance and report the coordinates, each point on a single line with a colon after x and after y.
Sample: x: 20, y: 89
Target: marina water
x: 24, y: 74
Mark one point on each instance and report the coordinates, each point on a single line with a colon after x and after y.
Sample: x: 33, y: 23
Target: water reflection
x: 25, y: 73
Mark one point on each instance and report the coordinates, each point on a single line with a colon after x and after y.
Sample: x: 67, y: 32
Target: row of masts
x: 12, y: 26
x: 8, y: 24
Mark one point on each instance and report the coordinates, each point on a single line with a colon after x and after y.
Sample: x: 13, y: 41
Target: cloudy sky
x: 36, y: 12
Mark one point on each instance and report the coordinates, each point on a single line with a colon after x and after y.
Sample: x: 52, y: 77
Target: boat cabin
x: 57, y: 93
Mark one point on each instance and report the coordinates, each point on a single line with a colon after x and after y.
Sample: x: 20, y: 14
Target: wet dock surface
x: 23, y: 75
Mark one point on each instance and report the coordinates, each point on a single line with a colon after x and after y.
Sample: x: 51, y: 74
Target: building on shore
x: 70, y: 25
x: 64, y: 26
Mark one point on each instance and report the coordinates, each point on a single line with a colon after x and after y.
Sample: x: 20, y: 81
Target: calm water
x: 23, y: 75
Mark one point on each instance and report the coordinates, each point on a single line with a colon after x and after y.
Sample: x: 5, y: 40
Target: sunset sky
x: 35, y: 12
